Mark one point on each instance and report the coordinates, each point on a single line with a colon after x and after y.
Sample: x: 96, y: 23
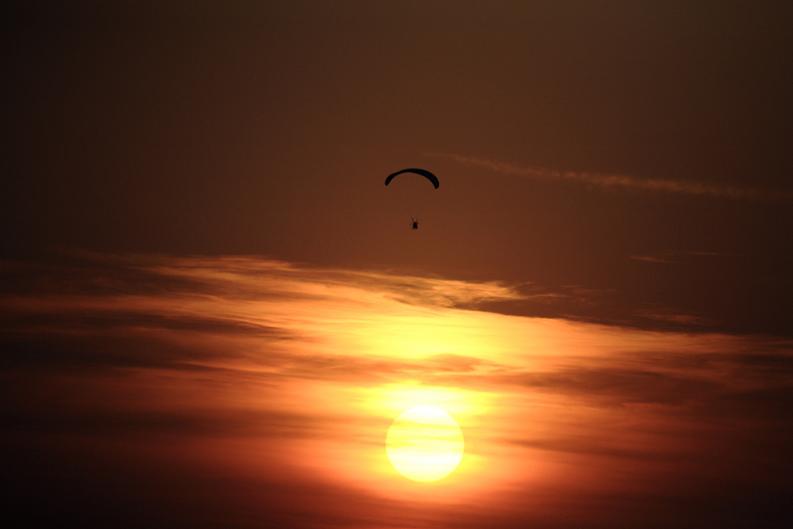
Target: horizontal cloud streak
x: 621, y: 181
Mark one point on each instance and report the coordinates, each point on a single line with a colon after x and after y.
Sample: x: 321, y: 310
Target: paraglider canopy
x: 423, y: 172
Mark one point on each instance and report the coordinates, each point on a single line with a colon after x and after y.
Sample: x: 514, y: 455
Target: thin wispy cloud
x: 621, y: 181
x: 681, y: 257
x: 655, y: 259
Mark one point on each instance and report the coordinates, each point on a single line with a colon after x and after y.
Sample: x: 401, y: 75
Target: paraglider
x: 414, y: 223
x: 423, y: 172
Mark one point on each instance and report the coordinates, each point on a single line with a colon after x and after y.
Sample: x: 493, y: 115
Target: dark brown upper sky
x: 268, y: 127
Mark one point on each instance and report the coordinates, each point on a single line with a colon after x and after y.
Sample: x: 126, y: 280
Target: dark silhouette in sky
x: 414, y: 223
x: 423, y: 172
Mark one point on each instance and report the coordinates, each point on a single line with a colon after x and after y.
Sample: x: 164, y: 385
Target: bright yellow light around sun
x: 425, y: 443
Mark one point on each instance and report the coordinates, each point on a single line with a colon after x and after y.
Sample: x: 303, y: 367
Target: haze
x: 212, y: 308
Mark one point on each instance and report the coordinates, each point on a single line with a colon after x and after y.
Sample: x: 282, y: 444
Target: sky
x: 212, y: 309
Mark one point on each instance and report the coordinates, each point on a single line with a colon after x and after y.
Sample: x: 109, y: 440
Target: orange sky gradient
x: 240, y: 370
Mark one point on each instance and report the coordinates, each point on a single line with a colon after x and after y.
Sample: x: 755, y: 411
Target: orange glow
x: 425, y: 443
x: 347, y: 378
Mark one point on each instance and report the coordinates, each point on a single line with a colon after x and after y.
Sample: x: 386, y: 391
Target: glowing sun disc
x: 425, y: 443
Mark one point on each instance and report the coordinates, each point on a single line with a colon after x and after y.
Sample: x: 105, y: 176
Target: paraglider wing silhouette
x: 423, y: 172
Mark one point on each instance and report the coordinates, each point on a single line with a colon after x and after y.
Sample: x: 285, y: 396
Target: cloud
x: 621, y: 181
x: 242, y: 366
x: 654, y: 259
x: 619, y: 385
x: 677, y: 257
x: 587, y: 446
x: 677, y: 318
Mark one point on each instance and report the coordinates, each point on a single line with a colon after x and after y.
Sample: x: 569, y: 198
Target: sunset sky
x: 213, y: 314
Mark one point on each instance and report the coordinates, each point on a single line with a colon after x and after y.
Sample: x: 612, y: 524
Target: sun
x: 425, y: 443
